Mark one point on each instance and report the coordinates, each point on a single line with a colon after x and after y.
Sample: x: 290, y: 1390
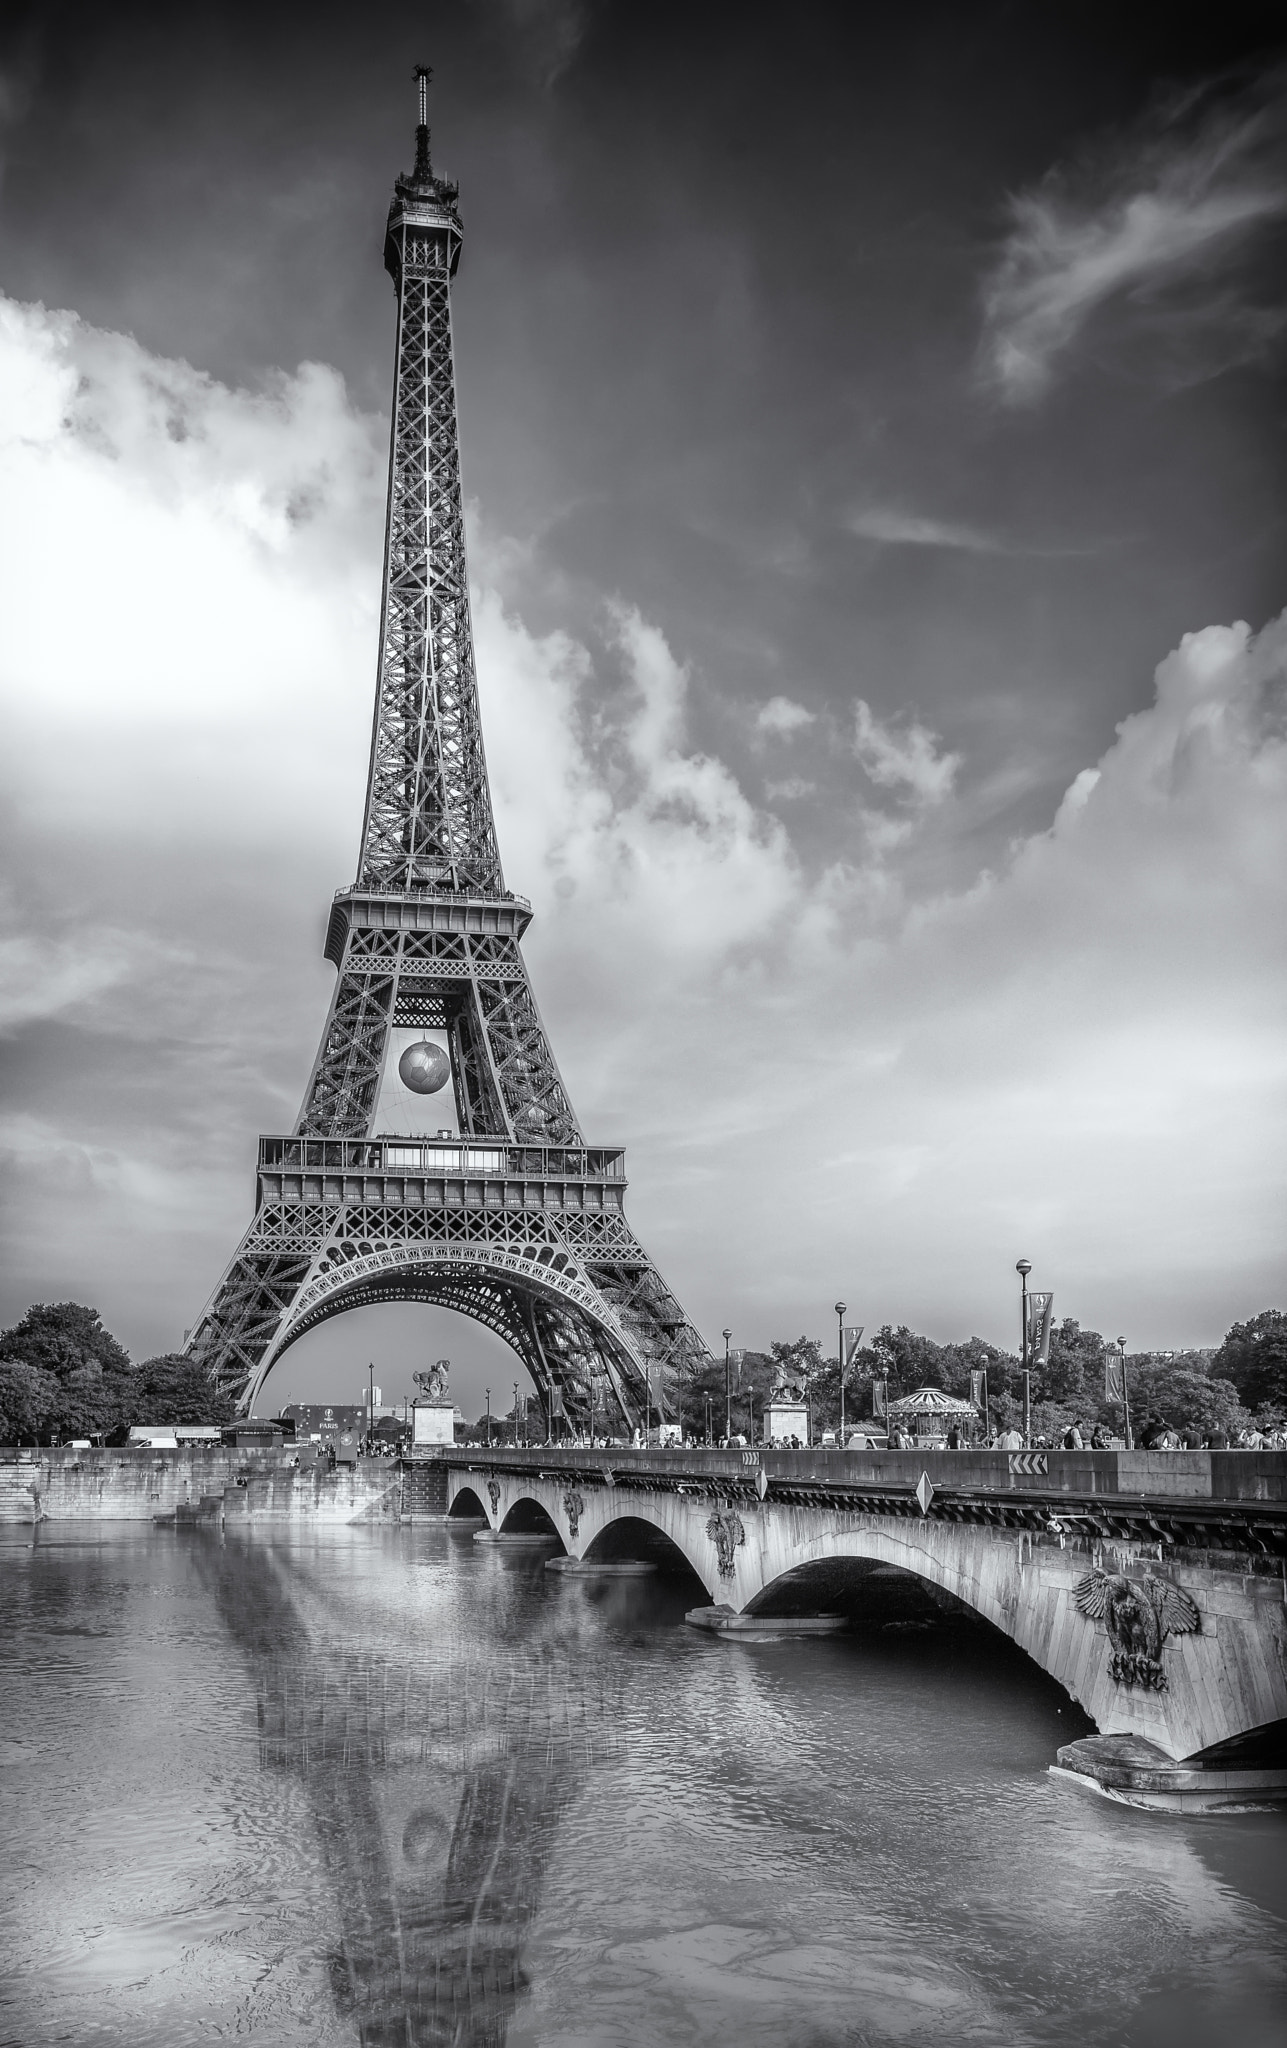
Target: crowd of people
x: 1152, y: 1434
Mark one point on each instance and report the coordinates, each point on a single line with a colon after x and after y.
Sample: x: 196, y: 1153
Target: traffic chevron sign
x: 1029, y: 1463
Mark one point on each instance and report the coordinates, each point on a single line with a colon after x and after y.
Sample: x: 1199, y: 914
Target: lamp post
x: 1023, y: 1267
x: 370, y: 1405
x: 489, y: 1418
x: 728, y: 1388
x: 516, y: 1412
x: 708, y: 1420
x: 1126, y: 1399
x: 841, y: 1310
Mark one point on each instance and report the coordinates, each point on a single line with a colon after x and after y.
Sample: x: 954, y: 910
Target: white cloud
x: 907, y: 761
x: 162, y: 544
x: 910, y: 530
x: 781, y: 717
x: 1174, y: 208
x: 827, y: 1080
x: 43, y: 975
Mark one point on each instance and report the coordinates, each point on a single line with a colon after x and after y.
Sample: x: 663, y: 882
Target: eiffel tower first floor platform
x: 529, y: 1240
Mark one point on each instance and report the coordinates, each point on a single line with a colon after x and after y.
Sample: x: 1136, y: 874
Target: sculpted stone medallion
x: 1139, y: 1614
x: 727, y: 1533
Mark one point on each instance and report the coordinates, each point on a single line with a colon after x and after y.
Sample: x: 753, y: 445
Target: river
x: 394, y: 1786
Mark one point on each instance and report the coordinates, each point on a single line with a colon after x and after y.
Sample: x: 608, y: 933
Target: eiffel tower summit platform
x: 437, y: 1156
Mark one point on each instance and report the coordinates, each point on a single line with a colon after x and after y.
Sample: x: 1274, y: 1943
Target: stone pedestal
x: 784, y: 1419
x: 434, y: 1422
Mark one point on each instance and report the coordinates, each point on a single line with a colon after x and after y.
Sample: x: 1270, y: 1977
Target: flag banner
x: 1115, y: 1378
x: 979, y: 1387
x: 1039, y: 1318
x: 879, y: 1397
x: 853, y: 1338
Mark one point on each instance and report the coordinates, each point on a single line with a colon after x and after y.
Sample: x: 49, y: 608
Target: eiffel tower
x: 501, y: 1210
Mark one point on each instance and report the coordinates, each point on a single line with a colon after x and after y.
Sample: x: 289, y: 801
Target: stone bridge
x: 1150, y: 1585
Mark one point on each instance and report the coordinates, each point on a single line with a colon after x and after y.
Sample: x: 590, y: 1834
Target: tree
x: 910, y: 1360
x: 27, y: 1395
x: 1253, y: 1358
x: 750, y: 1380
x: 1073, y: 1375
x: 1167, y: 1390
x: 67, y: 1341
x: 175, y: 1389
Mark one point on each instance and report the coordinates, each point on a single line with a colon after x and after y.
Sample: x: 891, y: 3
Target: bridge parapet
x: 1196, y: 1496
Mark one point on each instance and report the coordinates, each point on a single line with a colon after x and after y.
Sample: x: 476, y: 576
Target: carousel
x: 928, y: 1414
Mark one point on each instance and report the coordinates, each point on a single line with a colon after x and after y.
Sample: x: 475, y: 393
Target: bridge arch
x: 528, y: 1516
x: 466, y: 1506
x: 920, y: 1552
x: 634, y: 1535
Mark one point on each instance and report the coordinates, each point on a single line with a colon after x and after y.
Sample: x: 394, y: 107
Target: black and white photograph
x: 643, y: 1024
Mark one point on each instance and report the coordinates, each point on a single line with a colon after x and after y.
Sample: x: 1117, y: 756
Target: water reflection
x: 436, y: 1783
x: 365, y: 1785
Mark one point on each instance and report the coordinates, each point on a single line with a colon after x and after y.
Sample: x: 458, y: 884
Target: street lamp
x: 728, y: 1389
x: 516, y: 1414
x: 1126, y: 1399
x: 1023, y: 1267
x: 370, y: 1405
x: 489, y: 1418
x: 841, y: 1311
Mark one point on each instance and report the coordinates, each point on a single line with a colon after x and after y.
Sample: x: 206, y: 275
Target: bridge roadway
x: 1149, y: 1584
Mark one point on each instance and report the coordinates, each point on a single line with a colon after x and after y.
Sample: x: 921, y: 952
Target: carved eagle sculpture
x: 1139, y: 1614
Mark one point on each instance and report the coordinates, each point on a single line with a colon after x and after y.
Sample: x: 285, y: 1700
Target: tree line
x: 1240, y: 1385
x: 62, y: 1375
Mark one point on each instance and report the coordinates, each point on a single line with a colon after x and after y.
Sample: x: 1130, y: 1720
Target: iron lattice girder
x: 395, y: 966
x: 429, y: 816
x: 428, y: 938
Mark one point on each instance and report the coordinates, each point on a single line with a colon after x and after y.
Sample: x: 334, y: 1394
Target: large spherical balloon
x: 424, y: 1068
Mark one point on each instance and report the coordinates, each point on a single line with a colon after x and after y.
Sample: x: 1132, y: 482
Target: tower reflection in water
x: 437, y: 1786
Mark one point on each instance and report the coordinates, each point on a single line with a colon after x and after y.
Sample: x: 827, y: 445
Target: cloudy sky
x: 873, y: 430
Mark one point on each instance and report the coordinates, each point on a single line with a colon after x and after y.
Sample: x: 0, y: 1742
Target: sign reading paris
x: 529, y: 1236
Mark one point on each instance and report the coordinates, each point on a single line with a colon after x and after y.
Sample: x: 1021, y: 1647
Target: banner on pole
x: 853, y: 1338
x: 979, y: 1386
x: 1039, y: 1318
x: 880, y: 1397
x: 1115, y: 1377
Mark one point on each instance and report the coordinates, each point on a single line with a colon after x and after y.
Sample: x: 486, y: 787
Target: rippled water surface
x: 397, y: 1787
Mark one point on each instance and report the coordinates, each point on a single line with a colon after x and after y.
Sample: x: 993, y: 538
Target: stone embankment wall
x: 136, y: 1484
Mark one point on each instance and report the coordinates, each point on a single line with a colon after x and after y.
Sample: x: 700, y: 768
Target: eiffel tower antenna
x: 436, y: 1156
